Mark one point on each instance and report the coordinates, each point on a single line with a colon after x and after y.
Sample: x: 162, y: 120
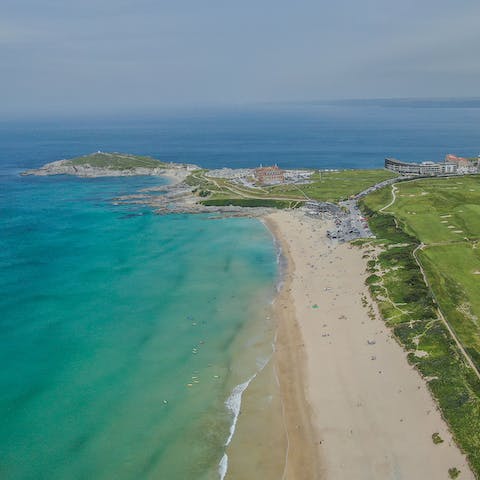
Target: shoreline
x: 353, y: 404
x: 290, y: 363
x: 256, y: 442
x: 269, y: 441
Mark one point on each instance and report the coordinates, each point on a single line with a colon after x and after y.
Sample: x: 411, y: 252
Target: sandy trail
x: 371, y: 415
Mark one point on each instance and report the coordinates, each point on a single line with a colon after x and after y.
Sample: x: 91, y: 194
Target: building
x: 420, y: 169
x: 269, y: 175
x: 450, y: 168
x: 403, y: 168
x: 464, y: 165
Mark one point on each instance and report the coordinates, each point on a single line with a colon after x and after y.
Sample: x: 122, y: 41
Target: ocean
x: 127, y: 338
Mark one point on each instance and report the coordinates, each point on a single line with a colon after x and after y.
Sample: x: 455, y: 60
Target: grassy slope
x: 406, y: 303
x: 445, y: 215
x: 451, y: 271
x: 117, y: 161
x: 429, y: 208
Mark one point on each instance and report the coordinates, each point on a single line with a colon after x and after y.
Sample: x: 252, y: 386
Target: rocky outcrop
x: 179, y: 198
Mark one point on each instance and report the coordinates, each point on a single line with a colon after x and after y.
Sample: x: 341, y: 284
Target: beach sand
x: 353, y: 408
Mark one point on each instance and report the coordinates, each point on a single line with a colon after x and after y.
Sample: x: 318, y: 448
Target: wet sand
x: 274, y: 439
x: 351, y: 405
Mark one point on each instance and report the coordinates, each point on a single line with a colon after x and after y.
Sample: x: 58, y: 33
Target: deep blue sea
x: 124, y: 333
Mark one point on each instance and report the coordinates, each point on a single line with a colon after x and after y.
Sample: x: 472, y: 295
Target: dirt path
x: 394, y: 192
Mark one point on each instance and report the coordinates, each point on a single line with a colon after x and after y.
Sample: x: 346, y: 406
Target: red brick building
x: 463, y: 165
x: 449, y: 158
x: 269, y: 175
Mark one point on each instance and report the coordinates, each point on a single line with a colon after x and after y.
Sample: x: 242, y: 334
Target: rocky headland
x: 102, y: 164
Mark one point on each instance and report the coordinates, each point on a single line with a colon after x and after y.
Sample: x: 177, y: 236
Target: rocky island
x: 104, y: 164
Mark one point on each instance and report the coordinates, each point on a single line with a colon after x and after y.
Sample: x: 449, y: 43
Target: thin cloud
x: 111, y: 54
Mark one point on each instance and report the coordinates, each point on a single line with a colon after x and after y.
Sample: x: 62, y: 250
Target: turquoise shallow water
x: 108, y: 313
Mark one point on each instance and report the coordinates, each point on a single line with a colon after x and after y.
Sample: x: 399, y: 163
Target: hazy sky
x: 104, y: 55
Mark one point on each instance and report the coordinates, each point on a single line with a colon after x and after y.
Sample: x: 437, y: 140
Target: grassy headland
x: 104, y: 164
x: 437, y: 223
x: 117, y: 161
x: 324, y: 186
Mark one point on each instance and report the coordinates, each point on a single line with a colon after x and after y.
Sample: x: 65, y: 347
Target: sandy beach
x: 353, y: 407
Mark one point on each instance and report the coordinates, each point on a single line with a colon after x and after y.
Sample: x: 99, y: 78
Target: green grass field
x: 117, y: 161
x: 335, y: 186
x: 435, y: 210
x: 444, y: 215
x: 454, y: 274
x: 326, y: 186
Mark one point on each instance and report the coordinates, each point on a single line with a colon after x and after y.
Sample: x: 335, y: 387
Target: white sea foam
x: 234, y: 403
x: 262, y: 362
x: 223, y: 466
x: 278, y: 249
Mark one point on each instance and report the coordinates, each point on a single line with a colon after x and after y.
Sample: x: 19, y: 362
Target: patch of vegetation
x: 408, y: 306
x: 196, y: 178
x: 453, y: 472
x: 436, y: 438
x: 376, y: 200
x: 117, y: 161
x: 373, y: 279
x: 360, y: 242
x: 253, y: 202
x: 364, y: 301
x: 371, y: 266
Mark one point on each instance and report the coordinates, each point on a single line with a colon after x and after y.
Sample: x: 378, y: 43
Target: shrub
x: 453, y: 472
